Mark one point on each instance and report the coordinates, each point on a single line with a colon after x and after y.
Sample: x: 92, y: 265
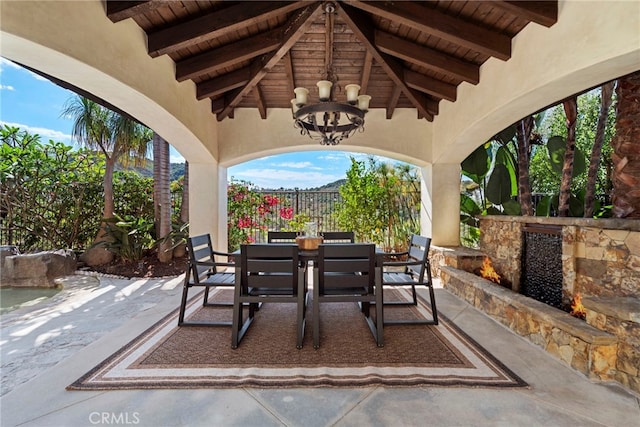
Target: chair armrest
x: 214, y: 264
x: 400, y: 263
x: 393, y: 254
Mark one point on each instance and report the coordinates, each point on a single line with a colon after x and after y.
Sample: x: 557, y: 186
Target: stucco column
x: 223, y: 232
x: 440, y: 209
x: 203, y: 200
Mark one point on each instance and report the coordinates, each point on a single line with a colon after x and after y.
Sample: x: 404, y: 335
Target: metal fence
x: 317, y: 206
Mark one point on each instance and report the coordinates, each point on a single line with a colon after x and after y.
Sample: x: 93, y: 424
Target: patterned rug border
x: 504, y: 377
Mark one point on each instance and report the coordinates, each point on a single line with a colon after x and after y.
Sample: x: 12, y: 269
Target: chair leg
x: 302, y: 307
x: 414, y: 294
x: 432, y: 297
x: 206, y: 296
x: 183, y: 304
x: 379, y: 325
x: 316, y: 311
x: 379, y: 293
x: 237, y: 319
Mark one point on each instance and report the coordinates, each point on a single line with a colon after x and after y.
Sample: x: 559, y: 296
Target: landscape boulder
x: 96, y: 255
x: 38, y: 269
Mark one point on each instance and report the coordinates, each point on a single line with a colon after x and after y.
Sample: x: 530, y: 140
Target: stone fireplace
x: 600, y: 259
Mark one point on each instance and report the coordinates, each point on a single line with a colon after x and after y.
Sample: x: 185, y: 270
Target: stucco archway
x: 591, y: 43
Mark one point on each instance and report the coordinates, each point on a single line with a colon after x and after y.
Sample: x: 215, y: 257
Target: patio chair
x: 338, y: 237
x: 268, y: 273
x: 347, y: 273
x: 281, y: 236
x: 204, y: 271
x: 413, y: 271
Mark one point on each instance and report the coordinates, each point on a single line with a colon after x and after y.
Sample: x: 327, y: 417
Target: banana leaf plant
x: 550, y: 204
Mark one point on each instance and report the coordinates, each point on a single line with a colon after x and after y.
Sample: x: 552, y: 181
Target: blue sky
x: 34, y: 103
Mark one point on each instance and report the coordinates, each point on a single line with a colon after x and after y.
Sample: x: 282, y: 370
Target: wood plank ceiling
x: 405, y: 54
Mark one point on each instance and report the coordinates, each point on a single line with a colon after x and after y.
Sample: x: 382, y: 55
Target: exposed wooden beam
x: 222, y: 84
x: 328, y: 40
x: 441, y: 25
x: 216, y: 24
x: 228, y: 55
x: 120, y: 10
x: 426, y: 84
x: 427, y: 57
x: 262, y: 109
x: 393, y: 102
x: 433, y: 106
x: 295, y: 28
x: 366, y: 72
x: 288, y: 70
x: 217, y: 104
x: 541, y: 12
x: 362, y: 27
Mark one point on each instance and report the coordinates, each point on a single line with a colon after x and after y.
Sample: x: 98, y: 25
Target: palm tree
x: 162, y: 196
x: 184, y: 206
x: 571, y: 112
x: 594, y: 163
x: 524, y: 129
x: 626, y: 149
x: 118, y: 138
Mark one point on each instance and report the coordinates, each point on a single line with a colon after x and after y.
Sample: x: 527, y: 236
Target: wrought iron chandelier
x: 329, y: 121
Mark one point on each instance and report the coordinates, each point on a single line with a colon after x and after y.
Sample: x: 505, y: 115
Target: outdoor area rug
x: 168, y: 356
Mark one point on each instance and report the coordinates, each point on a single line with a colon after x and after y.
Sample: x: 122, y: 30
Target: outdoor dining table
x: 309, y: 258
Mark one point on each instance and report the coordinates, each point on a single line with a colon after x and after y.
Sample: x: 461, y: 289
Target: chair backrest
x: 269, y: 266
x: 281, y: 236
x: 199, y: 249
x: 346, y: 265
x: 338, y: 237
x: 419, y: 253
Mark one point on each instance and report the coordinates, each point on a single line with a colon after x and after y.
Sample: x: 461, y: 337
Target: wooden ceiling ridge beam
x: 426, y: 84
x: 543, y: 12
x: 228, y: 55
x: 120, y: 10
x: 441, y: 25
x: 426, y: 57
x: 362, y: 27
x: 294, y: 28
x: 216, y: 24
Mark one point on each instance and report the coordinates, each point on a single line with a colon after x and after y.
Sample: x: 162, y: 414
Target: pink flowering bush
x: 250, y: 213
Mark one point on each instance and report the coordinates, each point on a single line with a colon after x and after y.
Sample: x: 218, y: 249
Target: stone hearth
x: 600, y: 260
x: 585, y: 348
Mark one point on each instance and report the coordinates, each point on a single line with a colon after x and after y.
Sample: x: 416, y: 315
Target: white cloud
x: 276, y: 178
x: 5, y: 62
x: 46, y: 134
x: 176, y: 159
x: 297, y: 165
x: 7, y: 87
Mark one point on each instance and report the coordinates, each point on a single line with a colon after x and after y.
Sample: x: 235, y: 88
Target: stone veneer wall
x: 600, y: 260
x: 599, y: 257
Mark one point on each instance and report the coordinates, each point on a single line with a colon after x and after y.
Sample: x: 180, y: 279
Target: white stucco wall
x: 248, y: 137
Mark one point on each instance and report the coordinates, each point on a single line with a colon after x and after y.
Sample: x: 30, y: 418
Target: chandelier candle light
x: 328, y: 121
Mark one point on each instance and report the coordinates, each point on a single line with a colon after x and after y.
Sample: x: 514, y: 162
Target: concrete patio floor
x: 46, y: 347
